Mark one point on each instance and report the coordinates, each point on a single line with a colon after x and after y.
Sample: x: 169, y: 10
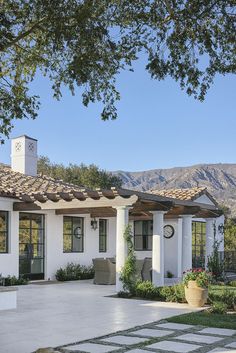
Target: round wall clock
x: 169, y: 231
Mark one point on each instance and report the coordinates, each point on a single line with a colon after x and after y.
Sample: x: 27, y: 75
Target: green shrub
x: 128, y: 272
x: 214, y: 264
x: 218, y: 308
x: 14, y: 281
x: 232, y: 283
x: 226, y: 296
x: 147, y: 290
x: 73, y: 272
x: 173, y: 293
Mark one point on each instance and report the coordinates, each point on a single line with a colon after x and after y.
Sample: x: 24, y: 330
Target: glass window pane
x: 3, y: 243
x: 3, y: 221
x: 67, y: 225
x: 102, y: 235
x: 37, y: 236
x: 24, y: 220
x: 24, y: 235
x: 149, y: 244
x: 67, y: 243
x: 138, y: 242
x: 77, y: 245
x: 36, y: 221
x: 138, y: 227
x: 37, y: 250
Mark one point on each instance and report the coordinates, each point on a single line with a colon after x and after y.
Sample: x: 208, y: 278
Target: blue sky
x: 159, y: 126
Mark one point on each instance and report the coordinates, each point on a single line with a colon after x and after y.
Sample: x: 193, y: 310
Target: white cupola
x: 24, y: 155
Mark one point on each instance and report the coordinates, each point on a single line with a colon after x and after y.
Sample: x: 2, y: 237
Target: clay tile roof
x: 190, y: 194
x: 14, y: 184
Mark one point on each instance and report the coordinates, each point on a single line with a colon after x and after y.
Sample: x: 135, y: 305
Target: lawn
x: 205, y: 318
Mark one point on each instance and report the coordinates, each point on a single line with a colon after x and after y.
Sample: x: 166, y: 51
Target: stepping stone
x: 174, y: 346
x: 137, y: 351
x: 218, y: 331
x: 231, y: 345
x: 174, y: 326
x: 91, y: 348
x: 125, y: 340
x: 222, y: 350
x: 151, y: 332
x: 198, y: 338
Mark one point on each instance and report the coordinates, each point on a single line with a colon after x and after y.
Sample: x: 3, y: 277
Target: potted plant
x: 196, y: 283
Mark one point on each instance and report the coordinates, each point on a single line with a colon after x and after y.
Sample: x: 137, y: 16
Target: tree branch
x: 22, y: 35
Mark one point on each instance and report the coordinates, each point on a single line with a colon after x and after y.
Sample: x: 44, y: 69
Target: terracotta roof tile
x: 15, y: 184
x: 181, y: 194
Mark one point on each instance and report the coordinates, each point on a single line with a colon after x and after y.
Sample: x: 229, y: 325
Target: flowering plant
x: 199, y: 275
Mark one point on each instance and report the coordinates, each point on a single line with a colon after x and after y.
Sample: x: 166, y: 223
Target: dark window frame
x: 72, y: 235
x: 32, y: 244
x: 103, y: 235
x: 198, y: 260
x: 144, y: 236
x: 6, y: 232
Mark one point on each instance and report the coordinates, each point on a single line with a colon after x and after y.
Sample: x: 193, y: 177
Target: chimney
x: 24, y: 155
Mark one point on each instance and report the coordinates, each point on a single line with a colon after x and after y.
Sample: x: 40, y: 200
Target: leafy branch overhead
x: 88, y: 43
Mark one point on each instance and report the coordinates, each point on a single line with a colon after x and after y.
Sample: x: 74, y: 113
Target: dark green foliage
x: 226, y: 296
x: 87, y: 44
x: 214, y: 264
x: 230, y: 235
x: 173, y: 293
x: 128, y: 272
x: 73, y: 272
x: 218, y: 308
x: 88, y: 176
x: 147, y: 290
x: 168, y: 293
x: 169, y: 274
x: 14, y: 281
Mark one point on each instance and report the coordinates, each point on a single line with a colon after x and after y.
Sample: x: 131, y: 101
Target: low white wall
x: 9, y: 263
x: 8, y: 299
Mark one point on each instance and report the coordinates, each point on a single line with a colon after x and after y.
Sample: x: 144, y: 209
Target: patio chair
x: 147, y: 269
x: 139, y: 268
x: 105, y: 271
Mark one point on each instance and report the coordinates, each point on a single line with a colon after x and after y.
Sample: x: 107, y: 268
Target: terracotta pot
x: 196, y: 296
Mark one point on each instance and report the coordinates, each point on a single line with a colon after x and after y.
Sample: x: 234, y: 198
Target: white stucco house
x: 46, y: 223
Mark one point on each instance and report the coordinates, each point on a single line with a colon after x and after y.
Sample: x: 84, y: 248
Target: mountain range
x: 220, y: 180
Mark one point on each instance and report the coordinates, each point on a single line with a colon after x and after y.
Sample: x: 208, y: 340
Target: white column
x: 209, y: 238
x: 179, y: 249
x: 187, y: 242
x: 158, y: 248
x: 122, y: 220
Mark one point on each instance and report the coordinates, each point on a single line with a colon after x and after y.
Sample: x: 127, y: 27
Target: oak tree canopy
x: 87, y: 43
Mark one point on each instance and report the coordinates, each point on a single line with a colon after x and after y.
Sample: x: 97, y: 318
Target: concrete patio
x: 63, y: 313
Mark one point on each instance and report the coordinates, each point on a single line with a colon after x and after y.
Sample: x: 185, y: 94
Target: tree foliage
x: 88, y: 176
x: 87, y: 43
x: 230, y: 235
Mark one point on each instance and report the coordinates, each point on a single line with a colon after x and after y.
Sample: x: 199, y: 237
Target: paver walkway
x: 162, y: 337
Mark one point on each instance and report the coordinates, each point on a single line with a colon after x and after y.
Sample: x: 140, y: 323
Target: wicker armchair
x: 105, y: 271
x: 147, y: 269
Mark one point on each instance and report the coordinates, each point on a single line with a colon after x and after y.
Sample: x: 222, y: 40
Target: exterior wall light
x: 94, y: 224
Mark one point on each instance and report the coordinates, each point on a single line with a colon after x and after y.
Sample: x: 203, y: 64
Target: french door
x: 31, y: 245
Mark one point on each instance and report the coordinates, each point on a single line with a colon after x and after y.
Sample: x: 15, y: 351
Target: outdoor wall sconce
x: 94, y: 224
